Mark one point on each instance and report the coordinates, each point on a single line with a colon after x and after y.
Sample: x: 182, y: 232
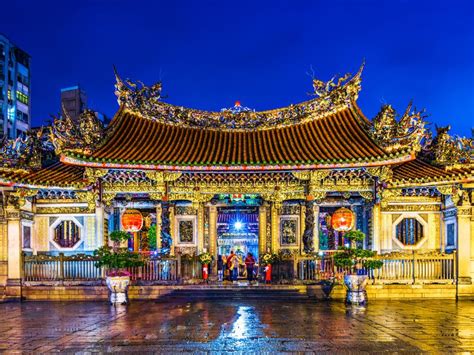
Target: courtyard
x: 237, y: 325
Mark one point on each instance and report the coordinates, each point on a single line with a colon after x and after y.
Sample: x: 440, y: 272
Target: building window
x: 450, y: 235
x: 409, y: 231
x: 67, y: 234
x: 22, y: 97
x: 26, y: 237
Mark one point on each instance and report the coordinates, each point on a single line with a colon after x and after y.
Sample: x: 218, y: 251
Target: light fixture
x: 238, y: 225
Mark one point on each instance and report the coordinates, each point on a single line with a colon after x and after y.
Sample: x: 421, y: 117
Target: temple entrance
x: 237, y: 230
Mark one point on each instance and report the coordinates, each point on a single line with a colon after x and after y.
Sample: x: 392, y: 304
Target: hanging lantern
x: 343, y: 220
x: 132, y: 221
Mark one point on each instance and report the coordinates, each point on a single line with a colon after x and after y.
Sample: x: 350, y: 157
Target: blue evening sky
x: 209, y: 54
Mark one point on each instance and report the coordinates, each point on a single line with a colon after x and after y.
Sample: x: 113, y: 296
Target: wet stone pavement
x: 250, y: 326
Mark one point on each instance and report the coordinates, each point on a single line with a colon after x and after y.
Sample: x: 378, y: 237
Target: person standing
x: 235, y: 270
x: 230, y: 265
x: 249, y: 264
x: 220, y: 268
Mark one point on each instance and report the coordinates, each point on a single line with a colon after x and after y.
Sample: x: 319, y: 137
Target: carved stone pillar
x: 172, y: 231
x: 464, y: 244
x: 166, y: 239
x: 200, y: 227
x: 14, y: 265
x: 275, y: 227
x: 3, y: 251
x: 99, y: 225
x: 302, y: 228
x: 262, y: 229
x: 316, y: 228
x: 213, y: 231
x: 377, y: 226
x: 309, y: 228
x: 158, y: 225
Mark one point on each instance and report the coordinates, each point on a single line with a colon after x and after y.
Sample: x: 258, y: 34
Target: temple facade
x: 260, y: 182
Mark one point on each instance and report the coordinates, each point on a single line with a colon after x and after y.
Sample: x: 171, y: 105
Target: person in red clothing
x: 249, y: 263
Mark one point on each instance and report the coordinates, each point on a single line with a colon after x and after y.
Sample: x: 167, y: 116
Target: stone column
x: 3, y: 251
x: 165, y: 235
x: 14, y: 265
x: 464, y: 244
x: 158, y: 225
x: 213, y: 231
x: 377, y: 227
x: 200, y: 227
x: 99, y: 226
x: 275, y: 227
x: 316, y: 228
x: 262, y: 229
x: 172, y: 228
x: 302, y: 228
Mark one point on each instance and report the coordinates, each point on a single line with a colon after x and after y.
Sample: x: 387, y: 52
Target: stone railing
x: 397, y: 268
x: 81, y: 267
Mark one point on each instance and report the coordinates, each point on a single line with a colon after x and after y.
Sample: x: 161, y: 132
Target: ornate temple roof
x: 57, y: 174
x: 418, y: 171
x: 336, y: 140
x: 329, y: 131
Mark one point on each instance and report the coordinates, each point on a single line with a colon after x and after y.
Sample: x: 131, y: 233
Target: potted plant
x: 205, y: 259
x: 355, y: 262
x: 116, y: 260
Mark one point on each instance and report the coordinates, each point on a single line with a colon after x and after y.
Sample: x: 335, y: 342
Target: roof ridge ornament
x: 22, y: 153
x: 406, y: 132
x: 82, y: 136
x: 146, y: 101
x: 448, y: 151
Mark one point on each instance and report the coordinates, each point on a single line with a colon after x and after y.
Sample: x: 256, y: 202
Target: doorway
x: 237, y: 230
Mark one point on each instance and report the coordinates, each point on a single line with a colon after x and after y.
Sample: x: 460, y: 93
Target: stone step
x: 235, y: 294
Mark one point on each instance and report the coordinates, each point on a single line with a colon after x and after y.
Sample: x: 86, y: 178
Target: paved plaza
x: 258, y: 326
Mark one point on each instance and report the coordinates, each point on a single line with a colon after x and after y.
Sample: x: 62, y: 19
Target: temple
x: 243, y: 180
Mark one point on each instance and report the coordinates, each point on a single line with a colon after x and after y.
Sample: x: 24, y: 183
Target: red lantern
x: 342, y: 220
x: 132, y: 221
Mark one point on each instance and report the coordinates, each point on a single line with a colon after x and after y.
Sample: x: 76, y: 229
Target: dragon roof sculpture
x: 332, y: 96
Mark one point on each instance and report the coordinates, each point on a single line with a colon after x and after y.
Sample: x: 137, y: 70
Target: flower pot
x: 356, y: 293
x: 118, y: 287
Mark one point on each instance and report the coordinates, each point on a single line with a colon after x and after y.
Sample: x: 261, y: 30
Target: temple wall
x: 425, y: 215
x: 43, y: 233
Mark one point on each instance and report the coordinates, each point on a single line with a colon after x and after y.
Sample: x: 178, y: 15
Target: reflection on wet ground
x: 258, y: 326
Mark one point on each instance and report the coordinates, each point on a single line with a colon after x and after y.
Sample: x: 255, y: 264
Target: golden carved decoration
x: 81, y: 136
x: 63, y: 210
x: 160, y: 176
x: 447, y: 150
x: 89, y: 197
x: 107, y: 198
x: 367, y: 195
x: 411, y: 208
x: 332, y: 96
x: 22, y: 195
x: 384, y: 173
x: 156, y: 196
x: 92, y: 174
x: 465, y: 211
x: 21, y: 154
x: 406, y: 133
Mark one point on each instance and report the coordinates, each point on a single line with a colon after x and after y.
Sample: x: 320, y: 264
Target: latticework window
x: 409, y: 231
x: 67, y: 234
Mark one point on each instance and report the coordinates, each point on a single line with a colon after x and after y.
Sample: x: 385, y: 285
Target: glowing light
x: 342, y: 220
x: 238, y: 225
x: 132, y: 221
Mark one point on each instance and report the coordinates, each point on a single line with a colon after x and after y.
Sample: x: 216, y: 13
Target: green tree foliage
x: 152, y: 237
